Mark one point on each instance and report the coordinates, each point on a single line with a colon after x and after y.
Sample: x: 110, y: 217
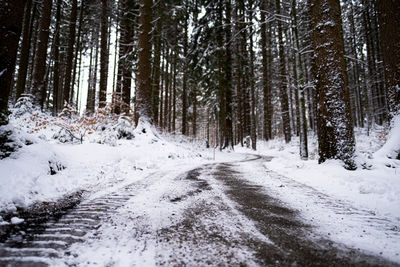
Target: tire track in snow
x: 286, y: 226
x: 45, y: 244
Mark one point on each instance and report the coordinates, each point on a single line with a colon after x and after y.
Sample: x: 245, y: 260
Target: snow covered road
x: 223, y: 214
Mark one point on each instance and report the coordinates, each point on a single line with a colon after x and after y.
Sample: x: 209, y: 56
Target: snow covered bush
x: 125, y: 128
x: 109, y: 137
x: 7, y: 142
x: 391, y: 149
x: 23, y: 106
x: 103, y: 127
x: 73, y: 127
x: 64, y: 136
x: 12, y: 140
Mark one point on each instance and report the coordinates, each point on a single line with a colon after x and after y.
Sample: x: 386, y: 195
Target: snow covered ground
x: 375, y: 185
x: 358, y: 208
x: 151, y: 228
x: 367, y: 201
x: 47, y: 167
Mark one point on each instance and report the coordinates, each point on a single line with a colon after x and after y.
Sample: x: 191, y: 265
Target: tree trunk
x: 56, y: 80
x: 77, y: 53
x: 34, y: 36
x: 70, y: 51
x: 228, y: 78
x: 103, y: 54
x: 389, y: 25
x: 253, y: 131
x: 39, y: 72
x: 127, y: 40
x: 166, y: 86
x: 265, y: 70
x: 161, y: 119
x: 91, y: 98
x: 300, y: 91
x: 335, y: 132
x: 169, y: 104
x: 25, y: 50
x: 282, y: 72
x: 221, y: 78
x: 143, y: 95
x: 176, y: 51
x: 156, y: 65
x: 11, y: 17
x: 238, y: 71
x: 121, y: 54
x: 184, y: 82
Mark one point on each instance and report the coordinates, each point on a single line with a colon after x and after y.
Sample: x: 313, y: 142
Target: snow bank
x: 48, y: 169
x: 391, y: 149
x: 373, y: 186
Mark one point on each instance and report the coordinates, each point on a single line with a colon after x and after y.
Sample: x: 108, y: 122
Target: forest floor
x: 209, y: 215
x: 167, y: 200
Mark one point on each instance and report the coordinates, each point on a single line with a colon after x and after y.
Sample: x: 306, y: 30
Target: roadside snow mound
x: 28, y: 175
x: 45, y: 169
x: 391, y: 149
x: 373, y: 186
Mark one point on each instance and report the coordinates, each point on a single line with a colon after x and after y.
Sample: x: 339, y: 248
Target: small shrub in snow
x: 64, y: 136
x: 104, y: 126
x: 108, y: 137
x: 7, y: 144
x: 74, y: 127
x: 125, y: 128
x: 23, y: 106
x: 55, y: 167
x: 11, y: 140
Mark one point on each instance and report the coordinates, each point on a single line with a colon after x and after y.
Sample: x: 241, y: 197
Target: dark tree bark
x: 11, y: 17
x: 184, y: 82
x: 221, y: 77
x: 157, y: 60
x: 300, y: 90
x: 246, y: 109
x: 127, y: 69
x: 126, y: 46
x: 253, y: 131
x: 169, y: 104
x: 56, y: 68
x: 103, y: 54
x: 25, y: 50
x: 238, y: 72
x: 282, y: 72
x: 143, y: 95
x: 270, y: 108
x: 371, y: 62
x: 175, y: 72
x: 356, y: 71
x: 121, y: 54
x: 335, y: 131
x: 194, y: 62
x: 77, y: 54
x: 166, y: 87
x: 39, y: 72
x: 389, y: 24
x: 265, y: 73
x: 91, y: 98
x: 70, y: 51
x: 34, y: 37
x: 115, y: 68
x: 228, y: 78
x: 161, y: 116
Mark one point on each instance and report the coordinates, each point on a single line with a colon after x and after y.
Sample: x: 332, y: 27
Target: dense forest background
x: 230, y: 70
